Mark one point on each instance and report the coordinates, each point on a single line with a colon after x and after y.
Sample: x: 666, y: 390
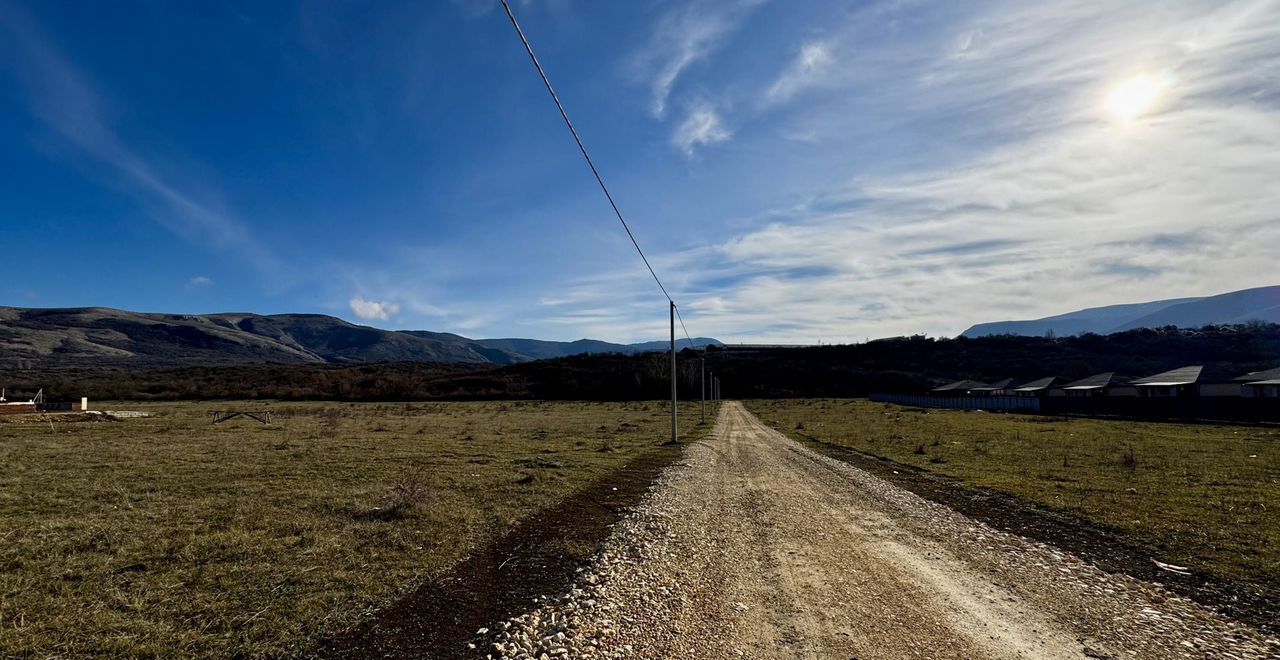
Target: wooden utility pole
x: 673, y: 372
x: 702, y: 363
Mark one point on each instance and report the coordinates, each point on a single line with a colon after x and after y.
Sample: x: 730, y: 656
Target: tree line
x: 900, y: 364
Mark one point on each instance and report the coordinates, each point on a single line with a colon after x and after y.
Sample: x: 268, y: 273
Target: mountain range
x: 1259, y: 304
x: 103, y: 337
x: 98, y: 336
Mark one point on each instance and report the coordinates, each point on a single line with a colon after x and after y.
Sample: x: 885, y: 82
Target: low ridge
x: 1257, y: 304
x: 100, y: 336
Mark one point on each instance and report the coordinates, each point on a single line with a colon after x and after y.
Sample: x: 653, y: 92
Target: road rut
x: 754, y: 546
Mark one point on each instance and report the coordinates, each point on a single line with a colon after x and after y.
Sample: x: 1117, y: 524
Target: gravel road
x: 753, y: 546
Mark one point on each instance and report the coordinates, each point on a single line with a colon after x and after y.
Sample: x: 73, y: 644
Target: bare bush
x: 1130, y: 458
x: 410, y: 493
x: 329, y: 420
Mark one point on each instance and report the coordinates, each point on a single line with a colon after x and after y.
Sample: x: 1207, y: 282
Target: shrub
x: 1129, y: 459
x: 410, y: 493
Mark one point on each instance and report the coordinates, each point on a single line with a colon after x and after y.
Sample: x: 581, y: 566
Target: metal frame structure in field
x: 220, y: 416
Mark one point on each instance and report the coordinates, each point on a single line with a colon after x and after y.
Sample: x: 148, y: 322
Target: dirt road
x: 754, y: 546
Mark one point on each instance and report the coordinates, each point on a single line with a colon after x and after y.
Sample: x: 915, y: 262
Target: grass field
x: 170, y: 536
x: 1200, y: 495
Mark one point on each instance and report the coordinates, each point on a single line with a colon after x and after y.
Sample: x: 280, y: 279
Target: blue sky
x: 798, y: 171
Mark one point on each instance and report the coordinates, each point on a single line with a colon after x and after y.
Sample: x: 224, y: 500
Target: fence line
x: 993, y: 403
x: 1204, y: 409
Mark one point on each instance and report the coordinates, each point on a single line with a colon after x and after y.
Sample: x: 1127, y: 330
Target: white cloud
x: 680, y: 39
x: 1033, y: 200
x: 1068, y: 208
x: 371, y: 310
x: 700, y: 128
x: 807, y: 69
x: 200, y: 280
x: 1033, y: 230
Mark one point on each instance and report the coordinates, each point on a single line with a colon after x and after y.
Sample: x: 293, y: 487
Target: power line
x: 583, y: 149
x: 599, y: 179
x: 686, y: 330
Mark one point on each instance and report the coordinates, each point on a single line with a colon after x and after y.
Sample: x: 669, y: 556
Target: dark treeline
x: 913, y: 364
x: 904, y: 364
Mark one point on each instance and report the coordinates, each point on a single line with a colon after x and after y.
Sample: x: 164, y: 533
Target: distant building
x: 1103, y: 384
x: 1035, y: 388
x: 1186, y: 382
x: 959, y: 388
x: 1265, y: 384
x: 37, y: 403
x: 997, y: 388
x: 8, y: 407
x: 16, y: 407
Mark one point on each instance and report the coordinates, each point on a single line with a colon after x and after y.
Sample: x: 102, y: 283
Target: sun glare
x: 1135, y: 97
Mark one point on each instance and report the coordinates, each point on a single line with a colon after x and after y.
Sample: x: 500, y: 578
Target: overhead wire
x: 599, y: 179
x: 686, y: 330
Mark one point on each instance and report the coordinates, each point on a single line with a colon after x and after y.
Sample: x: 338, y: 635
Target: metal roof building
x: 1172, y: 378
x: 1192, y: 380
x: 997, y: 387
x: 1260, y: 383
x: 1105, y: 383
x: 1038, y: 387
x: 959, y: 387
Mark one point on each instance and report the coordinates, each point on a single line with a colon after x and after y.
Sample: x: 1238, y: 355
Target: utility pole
x: 673, y: 372
x: 703, y: 364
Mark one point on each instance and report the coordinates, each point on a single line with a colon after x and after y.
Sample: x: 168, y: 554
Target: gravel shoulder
x: 756, y: 546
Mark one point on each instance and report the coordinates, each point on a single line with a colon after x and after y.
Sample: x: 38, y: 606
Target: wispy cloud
x: 200, y: 281
x: 373, y: 310
x: 895, y: 167
x: 807, y: 69
x: 683, y: 37
x: 1037, y: 200
x: 701, y: 127
x: 60, y: 96
x: 1057, y: 217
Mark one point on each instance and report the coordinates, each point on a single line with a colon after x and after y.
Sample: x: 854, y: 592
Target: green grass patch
x: 1199, y: 495
x: 172, y: 536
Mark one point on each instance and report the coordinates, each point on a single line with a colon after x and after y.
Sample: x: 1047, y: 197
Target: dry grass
x: 1205, y: 496
x: 171, y: 536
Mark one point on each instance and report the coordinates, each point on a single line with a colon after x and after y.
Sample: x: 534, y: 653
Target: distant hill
x: 103, y: 337
x: 1260, y: 304
x: 490, y: 354
x: 537, y: 349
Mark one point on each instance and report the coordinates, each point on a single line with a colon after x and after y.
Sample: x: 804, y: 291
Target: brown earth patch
x: 539, y: 557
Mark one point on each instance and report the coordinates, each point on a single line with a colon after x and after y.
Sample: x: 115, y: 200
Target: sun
x: 1135, y: 97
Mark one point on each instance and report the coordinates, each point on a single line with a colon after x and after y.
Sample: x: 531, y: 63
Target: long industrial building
x: 1183, y: 382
